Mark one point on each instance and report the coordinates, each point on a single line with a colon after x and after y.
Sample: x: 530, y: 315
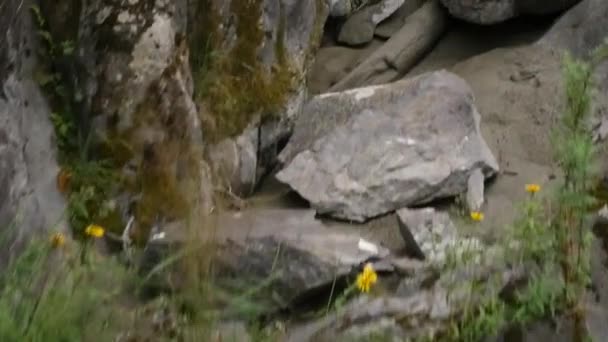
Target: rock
x: 231, y: 332
x: 407, y: 266
x: 30, y: 202
x: 359, y: 28
x: 401, y: 52
x: 392, y: 24
x: 344, y: 8
x: 475, y: 186
x: 290, y: 34
x: 362, y: 153
x: 422, y: 280
x: 427, y: 233
x: 495, y: 11
x: 423, y: 314
x: 288, y: 250
x: 366, y: 310
x: 153, y: 135
x: 426, y: 303
x: 332, y: 63
x: 386, y: 329
x: 580, y: 30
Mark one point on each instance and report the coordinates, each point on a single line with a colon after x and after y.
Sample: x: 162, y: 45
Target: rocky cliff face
x: 29, y: 199
x: 156, y: 115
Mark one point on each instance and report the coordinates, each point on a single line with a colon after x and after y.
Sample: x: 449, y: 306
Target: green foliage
x: 47, y: 295
x: 87, y: 182
x: 552, y: 238
x: 91, y: 185
x: 575, y: 154
x: 477, y: 323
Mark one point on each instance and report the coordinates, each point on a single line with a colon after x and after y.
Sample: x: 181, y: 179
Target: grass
x: 48, y: 294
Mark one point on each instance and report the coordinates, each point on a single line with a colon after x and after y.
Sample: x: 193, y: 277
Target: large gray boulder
x: 289, y: 250
x: 496, y: 11
x: 365, y: 152
x: 29, y: 199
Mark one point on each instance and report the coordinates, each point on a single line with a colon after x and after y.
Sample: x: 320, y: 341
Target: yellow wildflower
x: 477, y: 216
x: 57, y: 240
x: 94, y: 231
x: 532, y: 188
x: 367, y: 278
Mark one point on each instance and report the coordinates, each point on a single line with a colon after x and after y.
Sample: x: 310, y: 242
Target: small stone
x: 475, y: 189
x: 427, y: 233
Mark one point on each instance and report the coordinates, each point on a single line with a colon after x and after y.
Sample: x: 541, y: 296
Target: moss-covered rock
x: 250, y: 78
x: 138, y: 91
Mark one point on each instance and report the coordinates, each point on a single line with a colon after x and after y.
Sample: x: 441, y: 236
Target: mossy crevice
x: 162, y: 152
x: 236, y: 87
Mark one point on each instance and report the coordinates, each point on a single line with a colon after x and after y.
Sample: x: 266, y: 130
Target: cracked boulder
x: 495, y: 11
x: 365, y: 152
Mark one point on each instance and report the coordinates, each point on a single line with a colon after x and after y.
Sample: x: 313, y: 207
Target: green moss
x: 167, y: 170
x: 236, y: 87
x: 317, y: 33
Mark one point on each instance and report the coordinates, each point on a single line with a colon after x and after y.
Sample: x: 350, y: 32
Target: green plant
x: 47, y: 294
x: 552, y: 237
x: 86, y: 182
x: 575, y: 154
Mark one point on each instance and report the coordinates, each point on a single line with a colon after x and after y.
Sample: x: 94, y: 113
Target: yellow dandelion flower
x: 57, y: 240
x: 367, y: 278
x: 477, y: 216
x: 94, y: 231
x: 532, y: 188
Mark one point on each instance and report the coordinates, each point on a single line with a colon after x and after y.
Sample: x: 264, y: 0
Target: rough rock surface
x: 29, y: 199
x: 402, y: 51
x: 333, y: 63
x: 359, y: 28
x: 475, y: 187
x: 296, y: 251
x: 427, y: 233
x: 133, y: 92
x: 344, y: 8
x: 580, y: 30
x: 495, y: 11
x: 254, y: 151
x: 392, y: 24
x: 424, y: 313
x: 365, y: 152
